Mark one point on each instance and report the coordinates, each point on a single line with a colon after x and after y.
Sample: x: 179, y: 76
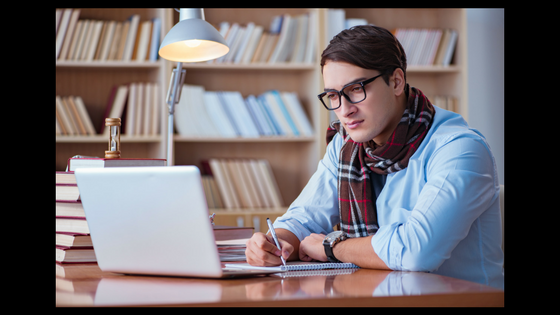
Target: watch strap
x: 330, y: 254
x: 329, y: 251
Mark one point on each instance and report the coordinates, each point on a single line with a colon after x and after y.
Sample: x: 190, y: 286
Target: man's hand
x: 355, y: 250
x: 311, y: 248
x: 261, y: 250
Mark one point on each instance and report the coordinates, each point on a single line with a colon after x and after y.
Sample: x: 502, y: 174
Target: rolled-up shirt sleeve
x: 315, y: 210
x: 459, y: 187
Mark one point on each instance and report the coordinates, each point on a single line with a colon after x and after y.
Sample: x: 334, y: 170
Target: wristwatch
x: 330, y: 240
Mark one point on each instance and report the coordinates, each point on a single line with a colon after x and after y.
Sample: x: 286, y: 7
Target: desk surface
x: 87, y: 285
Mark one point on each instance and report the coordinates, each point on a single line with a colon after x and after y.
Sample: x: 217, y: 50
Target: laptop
x: 151, y: 221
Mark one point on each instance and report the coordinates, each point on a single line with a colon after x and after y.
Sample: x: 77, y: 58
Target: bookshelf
x: 93, y: 81
x: 293, y: 159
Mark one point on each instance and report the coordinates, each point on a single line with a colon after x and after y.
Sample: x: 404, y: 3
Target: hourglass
x: 114, y: 125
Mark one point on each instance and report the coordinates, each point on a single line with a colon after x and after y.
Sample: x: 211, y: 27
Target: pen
x: 271, y: 228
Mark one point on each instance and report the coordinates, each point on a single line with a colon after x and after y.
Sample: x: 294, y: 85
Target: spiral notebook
x: 296, y: 266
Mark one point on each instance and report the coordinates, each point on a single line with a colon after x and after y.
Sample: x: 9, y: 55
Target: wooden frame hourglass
x: 114, y: 125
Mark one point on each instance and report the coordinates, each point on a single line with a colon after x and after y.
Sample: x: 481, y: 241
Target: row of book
x: 96, y: 40
x: 72, y: 117
x: 427, y: 47
x: 73, y: 239
x: 227, y: 114
x: 241, y: 183
x: 136, y: 103
x: 447, y: 102
x: 290, y: 39
x: 423, y: 47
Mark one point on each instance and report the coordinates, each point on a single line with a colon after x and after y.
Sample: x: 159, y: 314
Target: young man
x: 411, y: 185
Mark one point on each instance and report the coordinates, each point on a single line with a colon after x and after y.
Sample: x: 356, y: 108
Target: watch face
x: 333, y: 235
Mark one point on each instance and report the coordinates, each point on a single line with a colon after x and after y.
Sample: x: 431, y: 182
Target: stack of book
x: 73, y: 242
x: 231, y: 241
x: 427, y: 47
x: 243, y: 183
x: 290, y: 39
x: 201, y: 113
x: 94, y: 40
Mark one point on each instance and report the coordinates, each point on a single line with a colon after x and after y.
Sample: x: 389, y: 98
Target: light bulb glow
x: 192, y: 43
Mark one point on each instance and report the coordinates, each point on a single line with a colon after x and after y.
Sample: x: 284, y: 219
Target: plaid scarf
x: 357, y: 210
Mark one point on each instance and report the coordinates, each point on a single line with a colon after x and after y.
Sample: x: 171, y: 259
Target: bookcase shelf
x: 104, y: 139
x: 433, y: 69
x: 293, y: 159
x: 108, y: 64
x: 247, y: 217
x: 251, y: 66
x: 178, y: 138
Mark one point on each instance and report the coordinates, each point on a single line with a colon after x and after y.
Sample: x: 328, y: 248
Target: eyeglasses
x: 353, y: 93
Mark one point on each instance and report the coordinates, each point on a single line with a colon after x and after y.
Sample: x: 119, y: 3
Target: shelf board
x: 256, y: 211
x: 433, y: 69
x: 250, y: 66
x: 104, y: 139
x: 179, y: 138
x: 107, y: 64
x: 231, y: 66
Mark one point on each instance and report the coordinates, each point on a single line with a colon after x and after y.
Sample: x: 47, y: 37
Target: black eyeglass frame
x: 341, y: 92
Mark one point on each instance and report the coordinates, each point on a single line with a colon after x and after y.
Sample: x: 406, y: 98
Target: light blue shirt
x: 441, y: 214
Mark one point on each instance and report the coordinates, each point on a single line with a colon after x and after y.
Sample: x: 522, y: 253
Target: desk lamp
x: 191, y: 40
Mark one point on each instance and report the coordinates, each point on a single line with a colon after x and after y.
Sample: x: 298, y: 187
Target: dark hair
x: 368, y: 47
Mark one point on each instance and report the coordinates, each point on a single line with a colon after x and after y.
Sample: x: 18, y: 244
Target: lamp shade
x: 193, y: 40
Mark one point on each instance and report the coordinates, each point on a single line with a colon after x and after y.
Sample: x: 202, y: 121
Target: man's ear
x: 398, y: 81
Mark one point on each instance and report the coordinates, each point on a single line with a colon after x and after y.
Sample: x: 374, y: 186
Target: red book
x: 70, y: 209
x: 67, y: 193
x: 72, y: 225
x: 66, y: 254
x: 65, y: 178
x: 224, y: 232
x: 74, y: 163
x: 73, y: 240
x: 108, y: 108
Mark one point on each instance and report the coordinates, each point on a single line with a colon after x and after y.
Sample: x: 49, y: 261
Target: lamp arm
x: 173, y: 97
x: 175, y: 87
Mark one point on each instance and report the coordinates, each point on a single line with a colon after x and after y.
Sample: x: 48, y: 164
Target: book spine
x: 243, y: 183
x: 228, y: 114
x: 251, y: 43
x: 427, y: 47
x: 102, y: 37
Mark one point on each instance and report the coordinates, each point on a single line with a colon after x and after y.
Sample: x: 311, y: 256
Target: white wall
x: 485, y: 44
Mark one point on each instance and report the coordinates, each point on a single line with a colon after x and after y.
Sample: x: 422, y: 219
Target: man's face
x: 375, y: 117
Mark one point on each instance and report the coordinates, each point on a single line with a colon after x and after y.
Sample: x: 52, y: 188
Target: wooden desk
x: 87, y: 285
